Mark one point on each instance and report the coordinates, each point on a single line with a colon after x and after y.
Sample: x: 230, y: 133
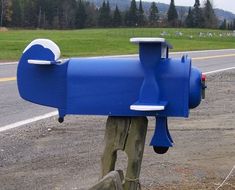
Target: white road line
x: 27, y: 121
x: 219, y: 70
x: 8, y: 63
x: 51, y: 114
x: 203, y: 51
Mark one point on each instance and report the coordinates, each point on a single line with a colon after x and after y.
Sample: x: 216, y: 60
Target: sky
x: 228, y: 5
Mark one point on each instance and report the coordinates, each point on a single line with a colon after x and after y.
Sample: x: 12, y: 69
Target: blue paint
x: 109, y: 86
x: 42, y: 84
x: 161, y: 137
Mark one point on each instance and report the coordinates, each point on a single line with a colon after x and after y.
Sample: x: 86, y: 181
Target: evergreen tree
x: 55, y: 20
x: 141, y: 17
x: 197, y: 15
x: 131, y: 16
x: 67, y: 13
x: 104, y: 19
x: 172, y: 15
x: 81, y: 15
x: 189, y: 19
x: 30, y: 14
x: 16, y: 15
x: 223, y: 25
x: 153, y: 14
x: 52, y: 11
x: 2, y: 8
x: 210, y: 20
x: 126, y: 18
x: 117, y: 18
x: 101, y: 19
x: 1, y: 13
x: 230, y: 26
x: 108, y: 15
x: 92, y: 14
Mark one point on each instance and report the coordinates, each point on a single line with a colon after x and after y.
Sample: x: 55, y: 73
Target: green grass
x: 93, y: 42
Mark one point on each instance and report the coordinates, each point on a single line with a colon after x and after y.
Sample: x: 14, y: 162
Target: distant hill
x: 222, y: 14
x: 124, y: 5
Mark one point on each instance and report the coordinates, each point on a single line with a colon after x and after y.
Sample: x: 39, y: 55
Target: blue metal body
x: 110, y: 86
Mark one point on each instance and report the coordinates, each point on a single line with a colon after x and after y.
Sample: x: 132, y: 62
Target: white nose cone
x: 46, y: 44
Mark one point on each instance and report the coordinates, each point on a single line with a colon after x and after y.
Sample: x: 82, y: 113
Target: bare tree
x: 2, y: 9
x: 6, y: 11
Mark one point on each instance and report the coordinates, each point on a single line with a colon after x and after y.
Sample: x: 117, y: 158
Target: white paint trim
x: 146, y: 108
x: 39, y: 62
x: 27, y: 121
x: 219, y: 70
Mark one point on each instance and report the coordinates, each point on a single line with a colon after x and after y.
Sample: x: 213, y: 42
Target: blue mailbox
x: 151, y: 85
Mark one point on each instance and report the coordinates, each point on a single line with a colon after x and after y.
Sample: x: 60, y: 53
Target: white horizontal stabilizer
x: 147, y: 107
x: 39, y: 62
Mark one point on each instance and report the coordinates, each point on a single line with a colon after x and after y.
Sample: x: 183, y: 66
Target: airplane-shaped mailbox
x: 149, y: 85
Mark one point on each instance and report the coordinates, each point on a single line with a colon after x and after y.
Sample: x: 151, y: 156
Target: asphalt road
x: 14, y: 109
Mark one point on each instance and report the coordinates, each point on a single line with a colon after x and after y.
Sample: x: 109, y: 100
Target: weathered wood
x: 127, y: 134
x: 135, y: 149
x: 115, y: 137
x: 112, y: 181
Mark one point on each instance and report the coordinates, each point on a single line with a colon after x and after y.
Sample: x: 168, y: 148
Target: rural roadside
x: 48, y: 155
x: 39, y: 153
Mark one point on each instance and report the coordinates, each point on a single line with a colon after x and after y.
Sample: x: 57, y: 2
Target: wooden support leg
x: 115, y: 137
x: 135, y: 149
x: 127, y: 134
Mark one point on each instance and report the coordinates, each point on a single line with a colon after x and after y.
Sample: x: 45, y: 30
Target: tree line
x: 72, y: 14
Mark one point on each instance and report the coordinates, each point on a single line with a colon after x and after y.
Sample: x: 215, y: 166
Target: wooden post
x: 127, y: 134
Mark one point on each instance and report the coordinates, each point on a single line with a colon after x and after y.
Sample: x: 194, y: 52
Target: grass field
x: 92, y: 42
